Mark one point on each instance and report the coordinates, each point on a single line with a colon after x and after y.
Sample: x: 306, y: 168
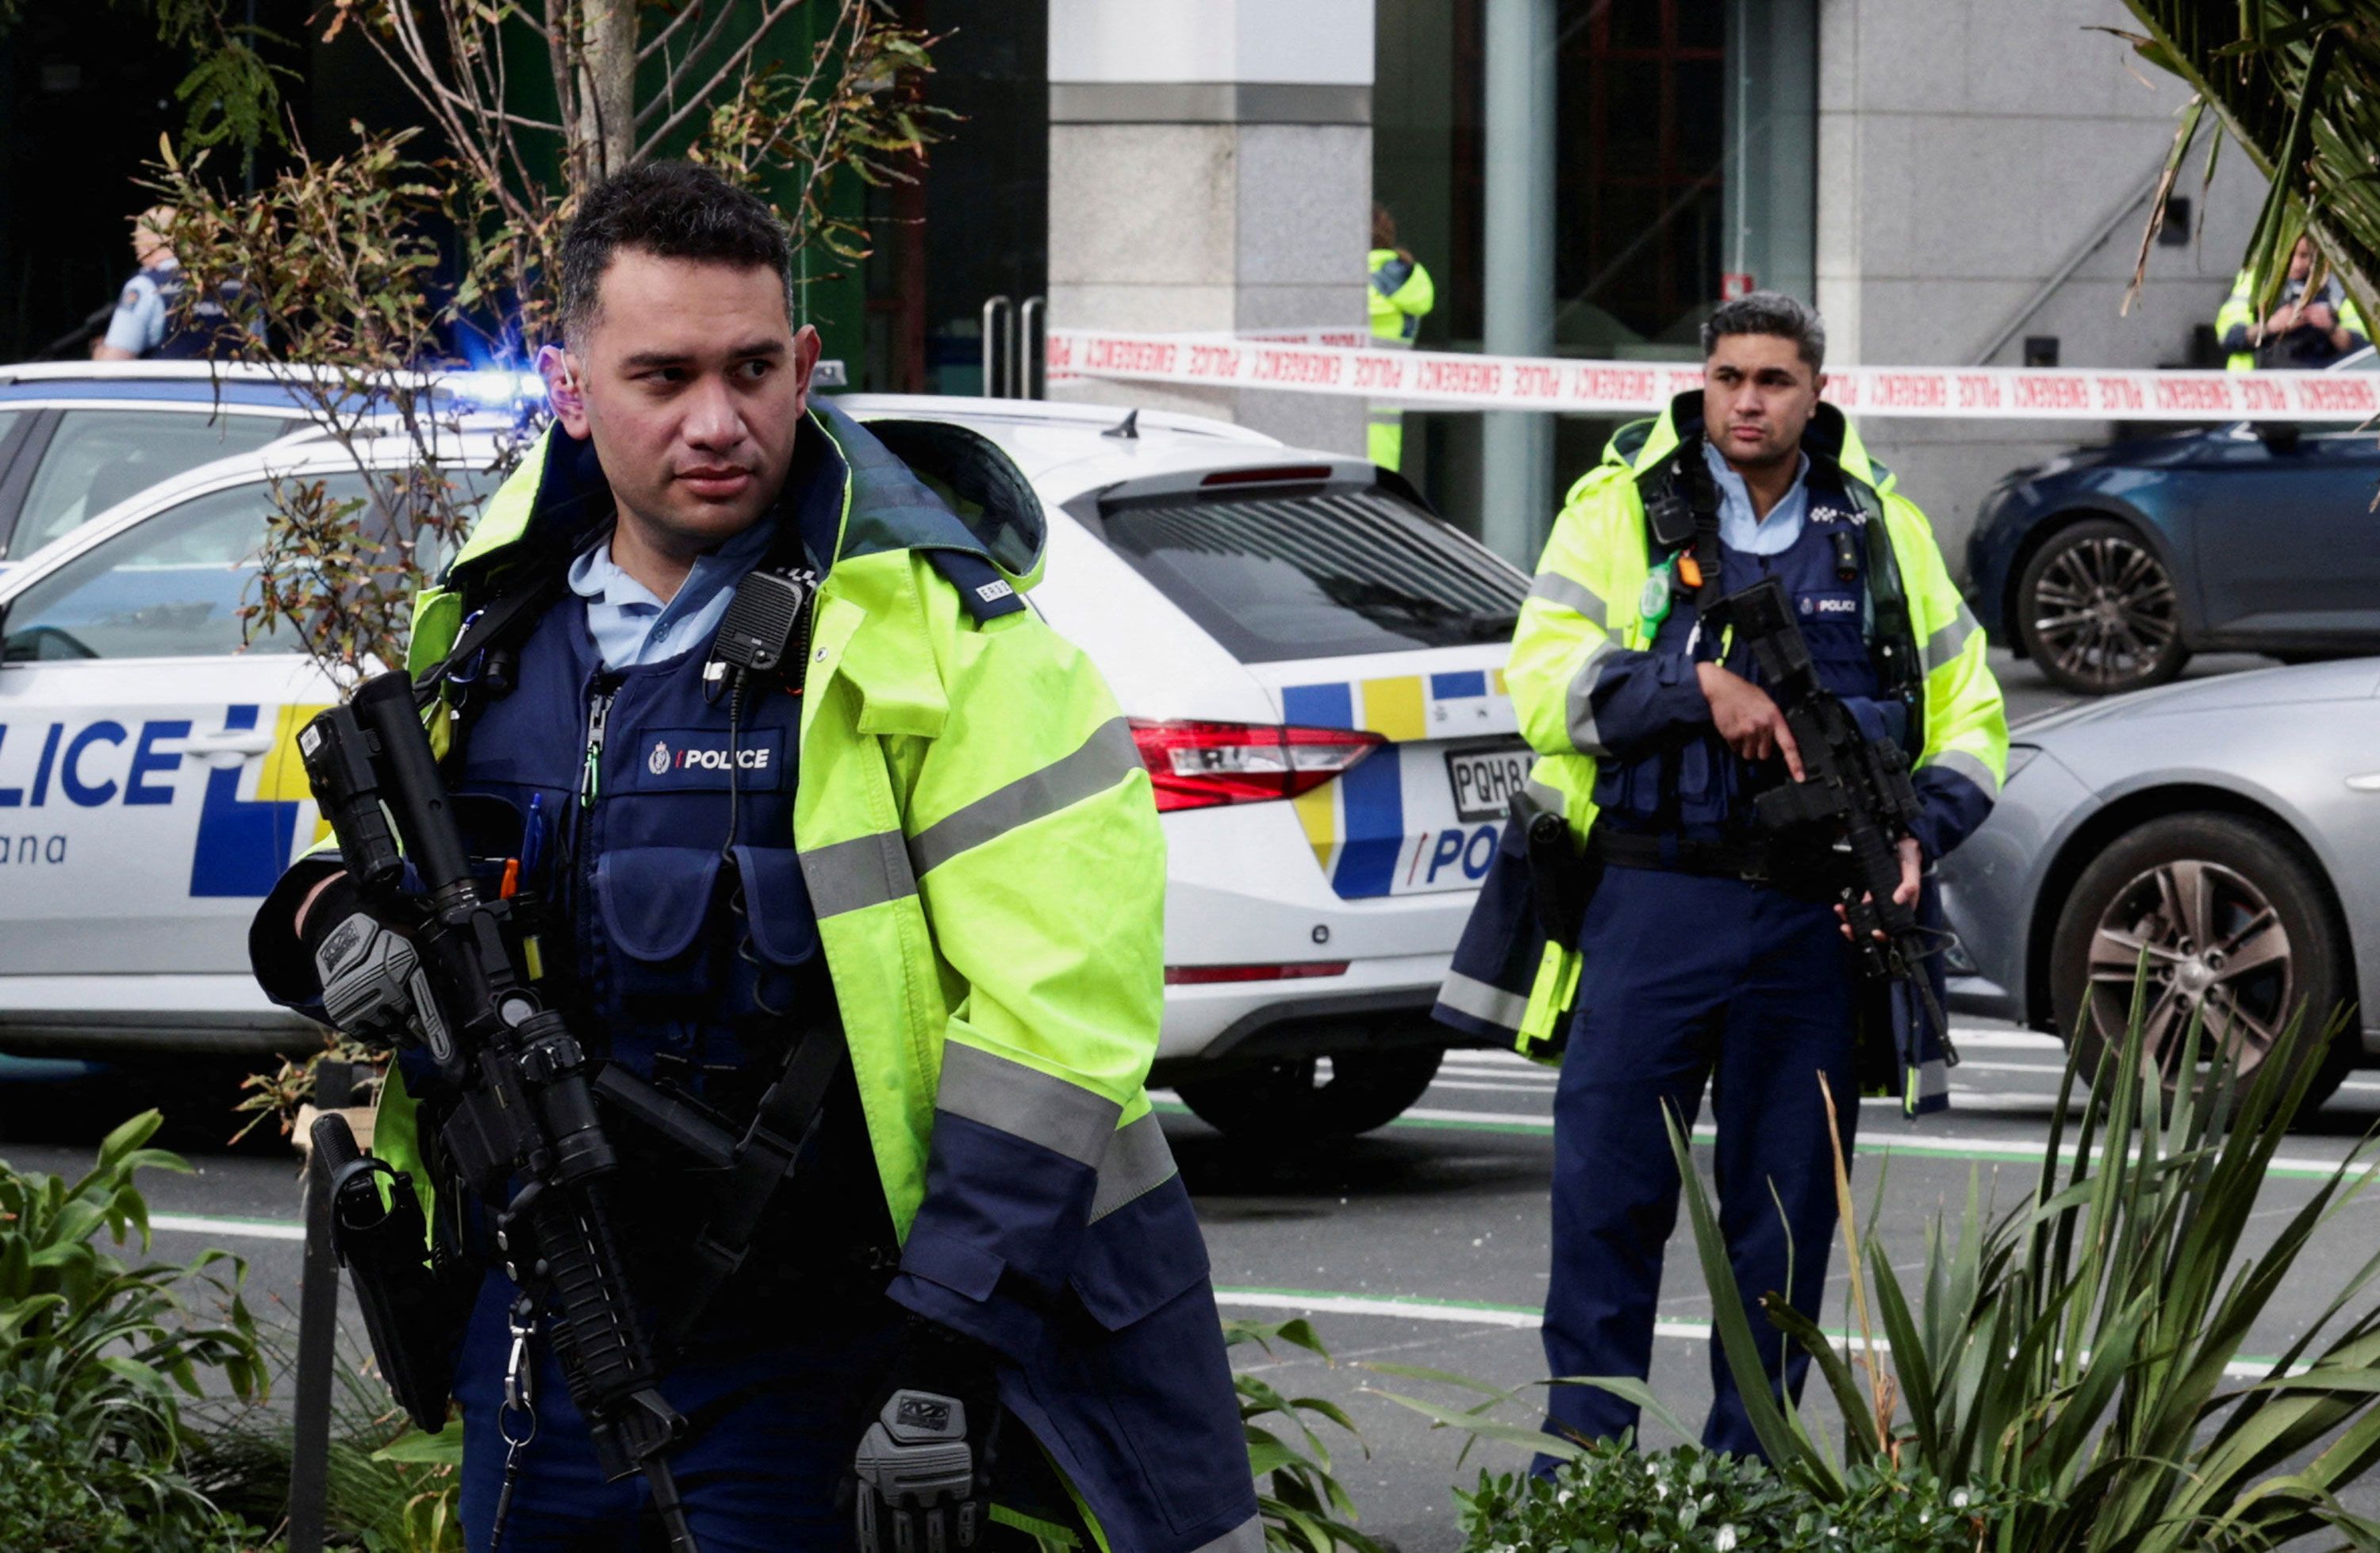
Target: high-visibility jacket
x: 2235, y: 323
x: 1401, y: 295
x: 980, y: 848
x: 1584, y: 617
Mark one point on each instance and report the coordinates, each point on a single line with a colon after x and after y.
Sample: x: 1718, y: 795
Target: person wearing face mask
x: 883, y: 902
x: 1707, y: 949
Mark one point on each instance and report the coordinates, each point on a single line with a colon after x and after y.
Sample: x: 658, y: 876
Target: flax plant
x: 2082, y: 1355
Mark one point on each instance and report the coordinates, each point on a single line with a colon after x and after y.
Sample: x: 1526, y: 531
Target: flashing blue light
x: 496, y: 388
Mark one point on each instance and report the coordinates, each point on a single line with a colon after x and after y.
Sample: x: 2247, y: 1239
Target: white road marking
x: 1468, y: 1313
x: 1500, y: 1088
x: 2005, y: 1040
x: 251, y: 1229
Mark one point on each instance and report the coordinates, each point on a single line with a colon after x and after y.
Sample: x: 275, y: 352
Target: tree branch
x: 742, y: 54
x: 685, y: 67
x: 660, y: 40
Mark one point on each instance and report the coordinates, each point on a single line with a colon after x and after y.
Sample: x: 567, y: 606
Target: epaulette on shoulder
x: 985, y: 594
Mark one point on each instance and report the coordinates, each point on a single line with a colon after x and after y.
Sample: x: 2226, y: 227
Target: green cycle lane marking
x: 1482, y: 1313
x: 1979, y: 1150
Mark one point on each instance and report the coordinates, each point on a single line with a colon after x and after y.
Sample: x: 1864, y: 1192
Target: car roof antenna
x: 1128, y: 428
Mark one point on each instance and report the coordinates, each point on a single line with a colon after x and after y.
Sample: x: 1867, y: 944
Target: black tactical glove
x: 374, y: 985
x: 923, y: 1469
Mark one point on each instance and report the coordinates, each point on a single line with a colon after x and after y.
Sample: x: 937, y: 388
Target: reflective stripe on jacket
x: 977, y: 837
x: 1582, y: 621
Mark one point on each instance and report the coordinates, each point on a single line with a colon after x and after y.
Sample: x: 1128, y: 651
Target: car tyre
x: 2097, y: 609
x: 2238, y: 928
x: 1294, y: 1098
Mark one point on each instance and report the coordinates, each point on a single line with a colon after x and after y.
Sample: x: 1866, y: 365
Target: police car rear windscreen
x: 1318, y: 572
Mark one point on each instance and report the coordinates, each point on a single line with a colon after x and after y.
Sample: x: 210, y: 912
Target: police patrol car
x: 77, y: 438
x: 1312, y: 663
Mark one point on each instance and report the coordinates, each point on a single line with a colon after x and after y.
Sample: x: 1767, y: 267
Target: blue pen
x: 532, y: 854
x: 532, y: 851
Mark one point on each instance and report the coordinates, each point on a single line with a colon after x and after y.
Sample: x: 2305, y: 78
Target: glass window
x: 97, y: 458
x: 1319, y: 574
x: 171, y: 588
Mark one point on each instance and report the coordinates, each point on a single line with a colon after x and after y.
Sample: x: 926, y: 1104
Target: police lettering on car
x: 978, y: 1305
x: 1651, y: 932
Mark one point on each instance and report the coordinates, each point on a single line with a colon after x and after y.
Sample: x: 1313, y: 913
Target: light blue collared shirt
x: 1738, y: 528
x: 629, y: 622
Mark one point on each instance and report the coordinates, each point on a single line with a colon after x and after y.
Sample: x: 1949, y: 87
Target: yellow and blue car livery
x: 1379, y: 829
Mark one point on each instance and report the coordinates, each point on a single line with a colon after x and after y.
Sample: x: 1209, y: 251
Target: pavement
x: 1426, y: 1243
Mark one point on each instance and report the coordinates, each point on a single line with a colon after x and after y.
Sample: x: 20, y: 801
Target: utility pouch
x: 1562, y: 882
x: 415, y: 1312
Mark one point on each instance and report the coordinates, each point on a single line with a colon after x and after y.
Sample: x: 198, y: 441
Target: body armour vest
x: 208, y: 331
x: 1697, y: 787
x: 673, y: 925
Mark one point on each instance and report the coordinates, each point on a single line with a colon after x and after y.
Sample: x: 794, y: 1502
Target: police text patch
x: 666, y: 758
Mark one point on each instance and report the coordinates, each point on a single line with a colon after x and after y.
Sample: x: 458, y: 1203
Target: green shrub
x: 2075, y: 1353
x: 1612, y: 1499
x: 95, y: 1357
x: 387, y: 1489
x: 61, y: 1495
x: 1306, y: 1509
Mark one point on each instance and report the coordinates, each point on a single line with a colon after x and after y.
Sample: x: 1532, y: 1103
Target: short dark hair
x: 672, y: 210
x: 1770, y: 312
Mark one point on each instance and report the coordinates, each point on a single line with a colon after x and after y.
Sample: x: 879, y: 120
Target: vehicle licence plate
x: 1485, y: 780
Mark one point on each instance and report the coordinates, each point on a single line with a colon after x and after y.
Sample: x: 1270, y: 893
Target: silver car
x: 2227, y: 828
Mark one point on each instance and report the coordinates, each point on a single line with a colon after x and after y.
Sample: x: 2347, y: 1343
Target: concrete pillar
x: 1516, y: 477
x: 1210, y: 168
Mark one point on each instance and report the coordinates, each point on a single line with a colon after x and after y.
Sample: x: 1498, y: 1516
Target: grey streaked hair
x: 1770, y: 312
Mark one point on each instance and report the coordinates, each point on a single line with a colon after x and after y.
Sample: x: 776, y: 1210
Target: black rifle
x: 1855, y: 792
x: 523, y: 1130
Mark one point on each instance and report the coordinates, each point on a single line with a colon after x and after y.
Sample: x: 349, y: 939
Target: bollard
x: 317, y: 1333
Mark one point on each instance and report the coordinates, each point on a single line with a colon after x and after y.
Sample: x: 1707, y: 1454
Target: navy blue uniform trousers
x: 1687, y: 979
x: 763, y: 1481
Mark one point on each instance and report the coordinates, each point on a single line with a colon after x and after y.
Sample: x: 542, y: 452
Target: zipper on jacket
x: 598, y: 712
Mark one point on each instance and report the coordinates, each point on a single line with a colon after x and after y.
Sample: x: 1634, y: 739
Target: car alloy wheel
x: 2215, y: 949
x: 2099, y: 612
x: 2225, y: 924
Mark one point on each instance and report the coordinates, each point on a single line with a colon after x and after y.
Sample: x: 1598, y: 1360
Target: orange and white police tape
x: 1294, y: 362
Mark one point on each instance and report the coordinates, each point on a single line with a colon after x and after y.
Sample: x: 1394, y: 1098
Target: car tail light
x: 1195, y: 976
x: 1199, y: 765
x: 1287, y: 474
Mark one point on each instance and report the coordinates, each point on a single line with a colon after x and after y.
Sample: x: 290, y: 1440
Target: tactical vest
x: 208, y: 331
x: 1698, y: 788
x: 672, y: 920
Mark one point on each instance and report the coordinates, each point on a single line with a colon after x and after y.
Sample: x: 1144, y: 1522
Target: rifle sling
x: 490, y: 627
x: 784, y: 1123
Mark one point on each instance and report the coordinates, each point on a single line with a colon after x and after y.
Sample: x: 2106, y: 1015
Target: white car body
x: 146, y: 802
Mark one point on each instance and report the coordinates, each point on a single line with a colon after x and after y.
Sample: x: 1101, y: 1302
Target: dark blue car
x: 2109, y: 567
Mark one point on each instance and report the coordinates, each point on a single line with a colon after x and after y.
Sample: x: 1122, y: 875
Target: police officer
x: 151, y: 322
x: 2308, y: 329
x: 890, y: 846
x: 1401, y: 295
x: 1706, y: 954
